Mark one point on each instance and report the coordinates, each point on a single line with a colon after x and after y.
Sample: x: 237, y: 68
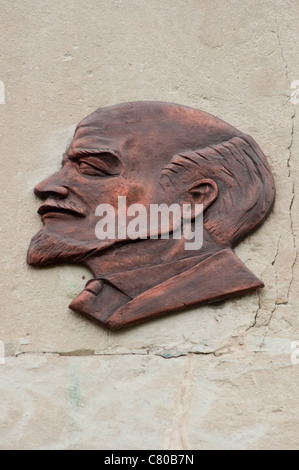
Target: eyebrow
x: 108, y: 157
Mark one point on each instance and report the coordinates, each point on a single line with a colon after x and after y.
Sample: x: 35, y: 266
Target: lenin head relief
x: 123, y: 162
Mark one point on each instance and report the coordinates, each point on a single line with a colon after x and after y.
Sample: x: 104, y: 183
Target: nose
x: 51, y: 186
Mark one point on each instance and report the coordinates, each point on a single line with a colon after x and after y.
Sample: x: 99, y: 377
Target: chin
x: 47, y: 249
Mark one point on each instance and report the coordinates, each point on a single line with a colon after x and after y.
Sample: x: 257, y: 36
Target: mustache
x: 57, y: 205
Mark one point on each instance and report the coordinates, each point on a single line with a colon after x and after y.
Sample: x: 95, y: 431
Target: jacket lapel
x: 220, y: 276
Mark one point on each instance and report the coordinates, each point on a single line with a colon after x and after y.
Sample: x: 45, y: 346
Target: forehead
x: 109, y: 128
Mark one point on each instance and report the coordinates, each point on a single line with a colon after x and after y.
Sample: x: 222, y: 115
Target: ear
x: 203, y: 192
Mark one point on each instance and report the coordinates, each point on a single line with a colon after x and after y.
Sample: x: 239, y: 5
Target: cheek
x: 109, y: 190
x: 104, y: 191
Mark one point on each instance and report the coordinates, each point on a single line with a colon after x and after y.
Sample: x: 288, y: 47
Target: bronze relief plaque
x: 152, y: 197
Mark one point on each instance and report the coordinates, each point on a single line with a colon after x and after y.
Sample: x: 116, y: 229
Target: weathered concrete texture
x: 146, y: 402
x: 87, y: 403
x: 237, y: 388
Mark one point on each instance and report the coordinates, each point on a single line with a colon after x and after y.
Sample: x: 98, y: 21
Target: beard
x: 47, y: 249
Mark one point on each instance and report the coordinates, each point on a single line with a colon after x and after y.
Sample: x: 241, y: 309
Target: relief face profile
x: 152, y: 197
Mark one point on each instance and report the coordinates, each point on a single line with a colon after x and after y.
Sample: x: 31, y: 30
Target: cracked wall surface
x: 218, y: 376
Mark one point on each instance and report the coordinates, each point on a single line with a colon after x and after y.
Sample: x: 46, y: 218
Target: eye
x: 90, y: 170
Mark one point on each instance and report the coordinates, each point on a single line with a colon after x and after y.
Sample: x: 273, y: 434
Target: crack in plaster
x: 288, y: 163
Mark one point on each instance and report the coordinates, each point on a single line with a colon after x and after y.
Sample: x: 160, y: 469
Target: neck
x: 148, y: 253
